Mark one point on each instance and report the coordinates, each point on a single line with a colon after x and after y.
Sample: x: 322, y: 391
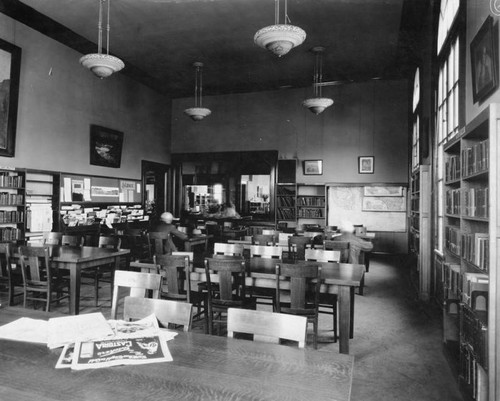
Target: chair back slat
x: 267, y: 326
x: 320, y: 255
x: 34, y: 265
x: 269, y: 252
x: 138, y: 284
x: 228, y: 249
x: 166, y: 311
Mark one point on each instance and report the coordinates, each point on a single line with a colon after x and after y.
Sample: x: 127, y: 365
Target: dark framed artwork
x: 366, y: 164
x: 313, y: 167
x: 484, y: 61
x: 105, y: 146
x: 10, y: 67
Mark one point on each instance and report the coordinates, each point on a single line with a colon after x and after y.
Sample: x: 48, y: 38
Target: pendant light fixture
x: 102, y: 65
x: 280, y: 38
x: 198, y: 112
x: 318, y: 104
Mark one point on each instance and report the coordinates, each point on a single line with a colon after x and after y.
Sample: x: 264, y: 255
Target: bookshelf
x: 469, y: 271
x: 311, y: 204
x: 12, y: 205
x: 286, y: 192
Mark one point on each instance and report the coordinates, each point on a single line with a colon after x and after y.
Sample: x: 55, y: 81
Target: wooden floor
x: 397, y: 340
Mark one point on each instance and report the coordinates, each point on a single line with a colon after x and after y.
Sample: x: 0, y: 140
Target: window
x: 447, y: 99
x: 415, y: 146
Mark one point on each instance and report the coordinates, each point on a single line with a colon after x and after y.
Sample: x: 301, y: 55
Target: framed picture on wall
x: 484, y: 61
x: 313, y: 167
x: 105, y: 146
x: 366, y: 164
x: 10, y: 67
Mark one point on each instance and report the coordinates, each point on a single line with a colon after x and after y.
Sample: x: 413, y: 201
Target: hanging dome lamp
x: 280, y: 38
x: 102, y: 65
x: 317, y: 104
x: 198, y: 112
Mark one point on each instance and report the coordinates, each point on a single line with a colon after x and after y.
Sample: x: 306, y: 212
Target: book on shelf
x: 311, y: 201
x: 452, y: 168
x: 452, y: 239
x: 475, y: 158
x: 451, y: 280
x: 453, y: 201
x: 10, y: 180
x: 475, y: 248
x: 476, y: 202
x: 310, y: 213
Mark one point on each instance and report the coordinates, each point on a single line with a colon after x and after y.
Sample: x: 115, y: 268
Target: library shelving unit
x: 286, y: 192
x: 12, y: 205
x: 311, y: 204
x: 469, y: 271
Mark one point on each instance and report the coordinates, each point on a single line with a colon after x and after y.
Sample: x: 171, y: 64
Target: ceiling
x: 160, y: 39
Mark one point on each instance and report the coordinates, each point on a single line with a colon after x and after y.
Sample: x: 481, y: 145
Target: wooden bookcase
x: 12, y: 205
x: 286, y: 192
x: 469, y: 272
x: 311, y: 204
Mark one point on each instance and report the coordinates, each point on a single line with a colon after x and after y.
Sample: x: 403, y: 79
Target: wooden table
x: 197, y: 240
x: 76, y: 259
x: 203, y: 368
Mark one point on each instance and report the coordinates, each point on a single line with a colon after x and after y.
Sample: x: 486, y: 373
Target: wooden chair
x: 138, y: 284
x: 263, y: 239
x: 52, y: 238
x: 228, y: 249
x: 342, y: 246
x: 230, y: 291
x: 270, y: 252
x: 72, y: 240
x: 102, y: 273
x: 158, y: 241
x: 297, y: 246
x: 167, y: 312
x: 300, y: 295
x: 327, y: 302
x: 8, y: 278
x: 40, y: 280
x: 267, y: 326
x: 175, y: 272
x: 139, y: 244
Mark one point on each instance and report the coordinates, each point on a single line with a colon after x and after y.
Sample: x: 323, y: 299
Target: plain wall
x: 59, y: 99
x: 367, y: 119
x: 477, y: 12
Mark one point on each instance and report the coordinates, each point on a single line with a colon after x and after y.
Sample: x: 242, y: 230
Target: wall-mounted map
x: 345, y: 203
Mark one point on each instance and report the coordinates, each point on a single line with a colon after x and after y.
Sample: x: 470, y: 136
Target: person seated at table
x: 165, y: 225
x: 229, y: 211
x: 356, y: 244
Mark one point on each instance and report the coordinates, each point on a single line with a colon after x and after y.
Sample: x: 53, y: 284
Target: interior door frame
x: 162, y: 177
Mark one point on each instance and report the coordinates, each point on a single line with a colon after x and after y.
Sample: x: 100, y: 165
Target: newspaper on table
x: 25, y: 329
x: 132, y: 343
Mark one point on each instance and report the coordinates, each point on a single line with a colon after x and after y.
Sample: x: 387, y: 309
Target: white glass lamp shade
x: 102, y: 65
x: 280, y: 39
x: 197, y: 113
x: 317, y: 104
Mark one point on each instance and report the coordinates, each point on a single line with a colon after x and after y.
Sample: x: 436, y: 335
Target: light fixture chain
x: 107, y: 29
x: 276, y: 12
x: 196, y: 86
x: 99, y: 29
x: 201, y: 86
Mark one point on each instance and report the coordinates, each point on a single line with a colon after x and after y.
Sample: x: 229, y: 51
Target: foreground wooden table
x: 204, y: 368
x: 76, y: 259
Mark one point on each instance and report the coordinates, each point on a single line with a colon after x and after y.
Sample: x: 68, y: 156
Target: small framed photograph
x: 366, y: 164
x: 105, y: 146
x: 484, y: 61
x: 313, y: 167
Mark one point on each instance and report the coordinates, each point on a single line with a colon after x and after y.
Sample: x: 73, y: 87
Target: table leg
x: 187, y: 246
x: 351, y: 326
x: 74, y: 293
x: 344, y: 318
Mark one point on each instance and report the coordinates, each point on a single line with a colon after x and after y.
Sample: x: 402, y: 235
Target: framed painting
x: 10, y: 67
x: 366, y: 164
x: 313, y: 167
x: 484, y: 61
x: 105, y: 146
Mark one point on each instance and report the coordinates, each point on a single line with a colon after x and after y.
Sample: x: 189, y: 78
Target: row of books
x: 467, y: 287
x: 7, y: 198
x: 9, y: 180
x: 13, y: 216
x: 286, y: 201
x: 475, y: 249
x: 286, y: 213
x: 473, y: 374
x: 476, y: 202
x: 452, y: 280
x: 10, y: 234
x: 452, y: 239
x: 475, y: 158
x: 311, y: 201
x: 453, y: 201
x: 474, y: 331
x: 452, y: 168
x: 310, y: 213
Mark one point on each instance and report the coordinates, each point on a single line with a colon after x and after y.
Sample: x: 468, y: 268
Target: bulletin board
x: 80, y: 188
x: 380, y: 207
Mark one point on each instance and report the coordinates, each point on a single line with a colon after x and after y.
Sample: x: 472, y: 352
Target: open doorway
x: 154, y: 182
